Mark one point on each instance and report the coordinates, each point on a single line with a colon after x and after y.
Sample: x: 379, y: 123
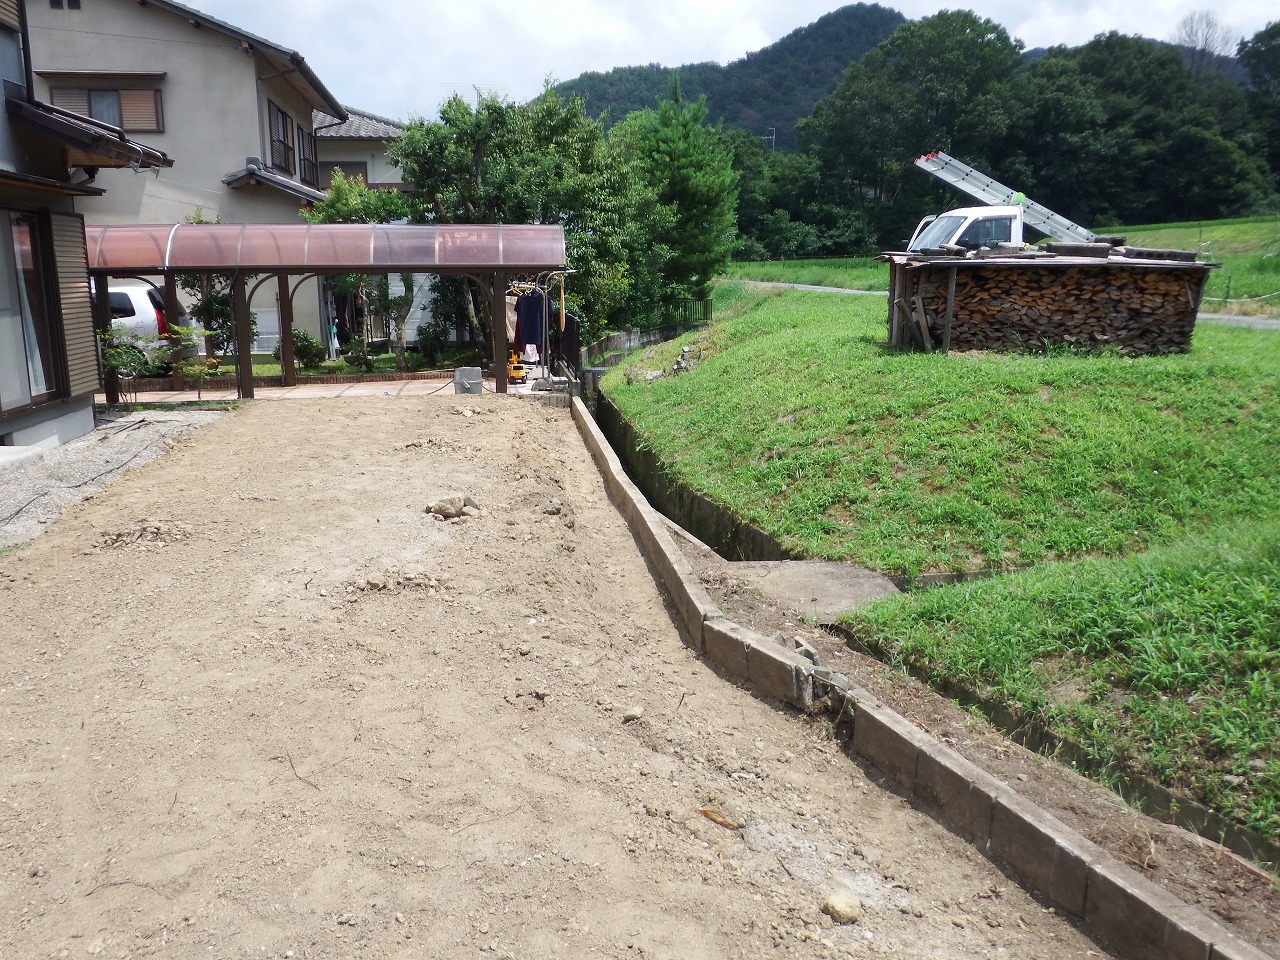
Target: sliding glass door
x: 27, y: 374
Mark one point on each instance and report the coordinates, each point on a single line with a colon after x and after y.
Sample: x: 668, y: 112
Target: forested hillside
x: 768, y: 89
x: 1117, y: 130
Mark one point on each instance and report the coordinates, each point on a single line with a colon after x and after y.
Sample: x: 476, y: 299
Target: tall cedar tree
x: 692, y: 173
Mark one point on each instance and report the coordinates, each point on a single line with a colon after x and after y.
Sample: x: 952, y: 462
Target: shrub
x: 307, y: 350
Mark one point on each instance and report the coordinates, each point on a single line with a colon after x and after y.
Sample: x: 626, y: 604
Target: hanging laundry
x: 530, y: 309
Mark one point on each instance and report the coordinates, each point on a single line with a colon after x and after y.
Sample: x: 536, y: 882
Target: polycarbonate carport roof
x: 325, y: 248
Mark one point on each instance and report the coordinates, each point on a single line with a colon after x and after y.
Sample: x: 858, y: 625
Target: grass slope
x: 1145, y: 494
x: 1165, y: 663
x: 848, y: 273
x: 798, y: 419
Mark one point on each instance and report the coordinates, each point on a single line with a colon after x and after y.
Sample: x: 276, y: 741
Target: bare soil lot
x: 257, y: 702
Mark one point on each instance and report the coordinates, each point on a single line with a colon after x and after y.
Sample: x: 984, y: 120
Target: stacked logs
x: 1135, y: 307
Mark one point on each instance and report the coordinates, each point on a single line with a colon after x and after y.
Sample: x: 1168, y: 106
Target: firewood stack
x: 1016, y: 304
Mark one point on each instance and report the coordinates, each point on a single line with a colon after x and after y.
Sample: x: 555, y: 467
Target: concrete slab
x: 818, y: 590
x: 12, y: 456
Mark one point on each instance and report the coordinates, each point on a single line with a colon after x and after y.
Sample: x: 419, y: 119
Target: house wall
x: 69, y: 414
x: 215, y: 116
x: 373, y: 153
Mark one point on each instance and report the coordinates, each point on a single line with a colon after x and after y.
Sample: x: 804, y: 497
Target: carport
x: 292, y: 253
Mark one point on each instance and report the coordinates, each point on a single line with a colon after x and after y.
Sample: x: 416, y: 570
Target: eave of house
x: 27, y: 181
x: 286, y: 63
x: 90, y: 143
x: 253, y: 175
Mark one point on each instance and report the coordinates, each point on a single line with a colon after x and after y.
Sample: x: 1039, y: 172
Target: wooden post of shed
x: 893, y: 296
x: 288, y: 372
x: 244, y: 343
x: 498, y: 325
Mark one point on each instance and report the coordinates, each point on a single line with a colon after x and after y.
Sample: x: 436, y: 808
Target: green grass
x: 1165, y: 663
x: 101, y: 409
x: 799, y: 420
x: 1130, y: 509
x: 851, y: 273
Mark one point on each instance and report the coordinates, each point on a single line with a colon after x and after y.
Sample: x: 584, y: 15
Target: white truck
x: 1001, y: 221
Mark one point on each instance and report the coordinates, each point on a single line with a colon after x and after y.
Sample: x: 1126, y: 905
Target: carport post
x: 244, y: 343
x: 498, y: 326
x: 288, y: 375
x: 171, y: 314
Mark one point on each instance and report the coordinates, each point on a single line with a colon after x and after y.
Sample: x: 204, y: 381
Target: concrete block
x: 962, y: 791
x: 691, y: 600
x: 1048, y: 854
x: 780, y: 672
x: 725, y: 642
x: 1230, y: 947
x: 1143, y: 921
x: 885, y: 740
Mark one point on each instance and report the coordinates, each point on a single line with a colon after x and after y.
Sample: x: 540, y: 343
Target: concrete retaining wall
x: 727, y: 534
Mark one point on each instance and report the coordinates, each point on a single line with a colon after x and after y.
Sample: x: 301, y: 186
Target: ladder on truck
x: 979, y: 185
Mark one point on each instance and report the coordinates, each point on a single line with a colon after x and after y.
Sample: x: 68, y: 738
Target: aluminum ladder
x: 979, y: 185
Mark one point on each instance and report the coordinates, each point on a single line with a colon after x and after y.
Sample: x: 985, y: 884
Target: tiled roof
x: 358, y: 126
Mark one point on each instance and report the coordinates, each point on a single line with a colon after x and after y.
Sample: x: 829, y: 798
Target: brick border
x: 1137, y: 918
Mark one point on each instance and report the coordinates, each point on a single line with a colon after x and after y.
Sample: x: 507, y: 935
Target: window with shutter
x: 135, y: 110
x: 308, y: 169
x: 140, y: 110
x: 282, y: 144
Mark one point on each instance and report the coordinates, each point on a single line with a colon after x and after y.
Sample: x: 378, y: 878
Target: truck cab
x: 969, y: 227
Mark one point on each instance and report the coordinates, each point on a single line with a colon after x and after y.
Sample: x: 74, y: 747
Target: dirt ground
x: 1196, y: 870
x: 257, y: 702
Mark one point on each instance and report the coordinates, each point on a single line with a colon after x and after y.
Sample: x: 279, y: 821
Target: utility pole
x: 772, y: 137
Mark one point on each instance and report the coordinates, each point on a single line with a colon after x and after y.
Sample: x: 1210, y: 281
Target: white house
x: 233, y: 110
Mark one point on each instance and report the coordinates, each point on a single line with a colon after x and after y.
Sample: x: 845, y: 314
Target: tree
x: 1260, y: 55
x: 350, y: 200
x: 939, y: 83
x: 540, y: 162
x: 683, y: 161
x: 1175, y: 161
x: 1205, y: 40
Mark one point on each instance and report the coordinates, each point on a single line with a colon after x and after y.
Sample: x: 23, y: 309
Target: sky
x: 406, y: 57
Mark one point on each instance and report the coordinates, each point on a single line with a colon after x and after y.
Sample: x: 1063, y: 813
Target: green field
x: 848, y: 273
x: 1129, y: 509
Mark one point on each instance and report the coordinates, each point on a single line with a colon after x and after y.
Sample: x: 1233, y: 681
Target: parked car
x: 139, y: 308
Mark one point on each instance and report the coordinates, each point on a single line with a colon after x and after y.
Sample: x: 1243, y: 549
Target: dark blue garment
x: 529, y: 311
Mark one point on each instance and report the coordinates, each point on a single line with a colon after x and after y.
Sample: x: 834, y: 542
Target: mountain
x: 769, y: 89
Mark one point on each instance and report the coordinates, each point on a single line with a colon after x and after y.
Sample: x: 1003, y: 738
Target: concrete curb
x: 1137, y: 918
